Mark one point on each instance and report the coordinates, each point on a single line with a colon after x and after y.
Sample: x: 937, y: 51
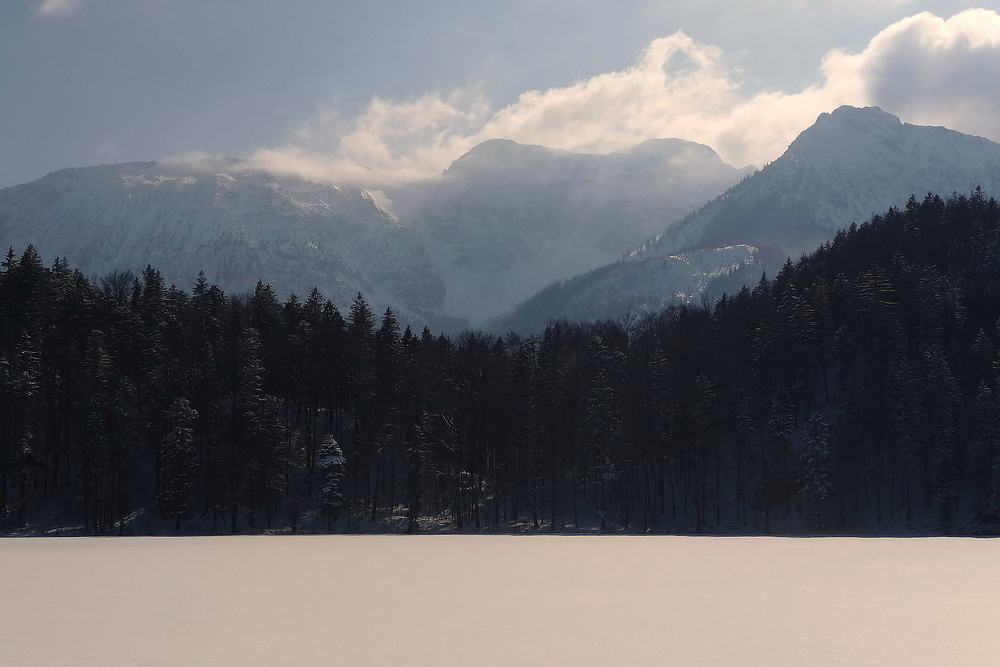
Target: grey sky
x: 98, y: 81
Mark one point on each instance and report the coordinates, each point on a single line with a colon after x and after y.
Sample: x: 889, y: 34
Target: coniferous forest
x: 855, y: 392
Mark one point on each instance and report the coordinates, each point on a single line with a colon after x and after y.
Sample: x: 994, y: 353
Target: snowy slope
x: 506, y: 219
x: 501, y: 223
x: 639, y: 286
x: 848, y: 166
x: 237, y: 224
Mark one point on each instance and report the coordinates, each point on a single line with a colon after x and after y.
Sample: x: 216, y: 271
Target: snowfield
x: 485, y: 600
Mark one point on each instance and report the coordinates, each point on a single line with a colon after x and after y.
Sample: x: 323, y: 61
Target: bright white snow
x: 482, y: 600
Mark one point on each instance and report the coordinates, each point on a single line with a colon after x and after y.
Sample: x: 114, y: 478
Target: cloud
x: 932, y: 71
x: 57, y: 8
x: 923, y: 68
x: 389, y: 143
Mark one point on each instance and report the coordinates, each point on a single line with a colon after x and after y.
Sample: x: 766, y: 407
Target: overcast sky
x: 379, y: 91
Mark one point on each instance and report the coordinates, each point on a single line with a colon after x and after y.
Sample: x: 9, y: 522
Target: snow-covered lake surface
x: 483, y: 600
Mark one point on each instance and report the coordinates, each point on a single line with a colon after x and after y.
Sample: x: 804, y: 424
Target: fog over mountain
x: 849, y: 165
x: 506, y: 219
x: 500, y: 224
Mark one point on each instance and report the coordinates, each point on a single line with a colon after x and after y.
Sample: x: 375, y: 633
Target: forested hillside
x: 856, y: 392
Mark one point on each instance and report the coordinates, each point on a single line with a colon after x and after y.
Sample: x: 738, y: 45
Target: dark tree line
x: 856, y: 391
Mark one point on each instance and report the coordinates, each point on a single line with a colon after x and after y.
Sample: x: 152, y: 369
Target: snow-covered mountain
x: 611, y: 290
x: 507, y: 219
x: 849, y: 165
x: 235, y: 223
x: 502, y: 222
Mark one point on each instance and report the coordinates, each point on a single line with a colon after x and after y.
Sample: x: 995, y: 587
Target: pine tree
x: 94, y: 435
x: 178, y: 463
x: 705, y: 438
x: 780, y: 426
x: 330, y: 458
x: 601, y: 422
x: 986, y: 438
x: 414, y: 491
x: 274, y: 444
x: 815, y: 461
x: 123, y: 433
x: 942, y: 406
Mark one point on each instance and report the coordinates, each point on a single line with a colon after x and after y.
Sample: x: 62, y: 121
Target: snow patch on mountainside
x: 640, y: 284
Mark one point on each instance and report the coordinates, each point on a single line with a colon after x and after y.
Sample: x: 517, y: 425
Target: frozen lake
x: 483, y: 600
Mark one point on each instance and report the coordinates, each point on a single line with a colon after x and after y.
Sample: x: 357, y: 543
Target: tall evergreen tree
x: 179, y: 463
x: 815, y: 461
x: 330, y: 459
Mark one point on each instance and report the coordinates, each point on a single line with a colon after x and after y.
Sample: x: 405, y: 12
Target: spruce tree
x: 815, y: 462
x: 178, y: 463
x: 330, y: 459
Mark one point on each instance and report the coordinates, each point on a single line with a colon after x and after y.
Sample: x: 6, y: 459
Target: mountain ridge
x: 239, y: 226
x: 506, y: 219
x: 501, y: 222
x: 846, y: 167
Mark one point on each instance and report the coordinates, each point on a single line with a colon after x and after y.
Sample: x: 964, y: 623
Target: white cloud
x: 57, y: 8
x: 923, y: 68
x: 928, y: 70
x: 388, y: 142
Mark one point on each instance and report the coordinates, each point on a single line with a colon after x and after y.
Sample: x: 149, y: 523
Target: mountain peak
x: 851, y: 164
x: 506, y: 218
x: 845, y: 124
x: 499, y: 154
x: 847, y: 166
x: 669, y: 147
x: 848, y: 113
